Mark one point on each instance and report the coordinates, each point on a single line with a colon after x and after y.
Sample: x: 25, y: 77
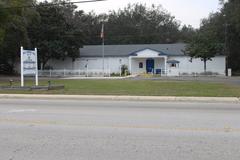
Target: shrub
x: 124, y: 70
x: 115, y: 75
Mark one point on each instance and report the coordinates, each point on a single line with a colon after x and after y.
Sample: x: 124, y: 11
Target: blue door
x: 150, y: 65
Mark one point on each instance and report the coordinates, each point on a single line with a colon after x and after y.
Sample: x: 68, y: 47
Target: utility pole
x: 103, y: 48
x: 225, y: 43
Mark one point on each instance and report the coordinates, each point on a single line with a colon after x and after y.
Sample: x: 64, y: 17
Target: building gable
x: 147, y: 52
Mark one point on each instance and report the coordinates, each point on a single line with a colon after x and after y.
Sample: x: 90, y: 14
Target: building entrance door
x: 150, y: 65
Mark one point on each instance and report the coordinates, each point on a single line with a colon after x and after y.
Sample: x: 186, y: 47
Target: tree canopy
x: 139, y: 24
x: 13, y: 29
x: 207, y: 42
x: 55, y: 34
x: 231, y: 13
x: 59, y: 30
x: 136, y: 24
x: 219, y: 34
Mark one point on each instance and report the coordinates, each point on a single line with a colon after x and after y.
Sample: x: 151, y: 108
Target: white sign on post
x: 29, y: 65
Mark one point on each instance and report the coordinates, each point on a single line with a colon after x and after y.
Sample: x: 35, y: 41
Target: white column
x: 165, y: 59
x: 130, y: 65
x: 120, y: 67
x: 103, y: 49
x: 87, y: 70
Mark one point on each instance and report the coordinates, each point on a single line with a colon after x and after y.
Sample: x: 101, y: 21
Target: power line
x: 54, y: 4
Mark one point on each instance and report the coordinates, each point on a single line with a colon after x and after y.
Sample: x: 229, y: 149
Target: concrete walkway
x: 124, y: 98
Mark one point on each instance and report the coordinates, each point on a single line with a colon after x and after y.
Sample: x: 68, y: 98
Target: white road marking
x: 21, y: 110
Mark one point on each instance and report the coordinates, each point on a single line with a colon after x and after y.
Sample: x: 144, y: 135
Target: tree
x: 231, y: 11
x: 90, y: 24
x: 140, y: 24
x: 14, y: 30
x: 135, y: 24
x: 56, y: 34
x: 221, y: 31
x: 187, y: 33
x: 204, y: 48
x: 207, y: 42
x: 4, y: 15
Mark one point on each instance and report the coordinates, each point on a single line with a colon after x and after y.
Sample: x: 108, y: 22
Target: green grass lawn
x: 138, y: 87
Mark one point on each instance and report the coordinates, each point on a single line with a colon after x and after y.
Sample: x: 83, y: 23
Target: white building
x: 166, y: 59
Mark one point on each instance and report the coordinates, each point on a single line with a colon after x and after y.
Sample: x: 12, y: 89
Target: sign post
x: 29, y: 65
x: 22, y: 76
x: 36, y: 74
x: 229, y: 72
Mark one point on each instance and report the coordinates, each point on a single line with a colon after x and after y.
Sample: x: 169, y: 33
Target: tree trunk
x: 44, y: 62
x: 205, y: 65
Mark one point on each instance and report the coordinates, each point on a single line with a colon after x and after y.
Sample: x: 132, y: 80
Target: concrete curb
x: 124, y: 98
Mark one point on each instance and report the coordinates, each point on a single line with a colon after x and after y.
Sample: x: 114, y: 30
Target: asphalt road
x: 114, y: 130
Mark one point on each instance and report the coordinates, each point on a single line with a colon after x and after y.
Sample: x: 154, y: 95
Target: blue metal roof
x: 125, y: 50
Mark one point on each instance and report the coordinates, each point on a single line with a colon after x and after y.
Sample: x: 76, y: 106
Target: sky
x: 189, y: 12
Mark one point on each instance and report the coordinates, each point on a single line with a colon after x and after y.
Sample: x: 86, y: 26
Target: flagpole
x: 103, y: 49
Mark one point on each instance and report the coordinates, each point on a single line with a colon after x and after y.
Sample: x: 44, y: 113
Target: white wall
x: 95, y: 63
x: 185, y: 66
x: 55, y: 64
x: 135, y: 66
x: 159, y: 63
x: 112, y: 63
